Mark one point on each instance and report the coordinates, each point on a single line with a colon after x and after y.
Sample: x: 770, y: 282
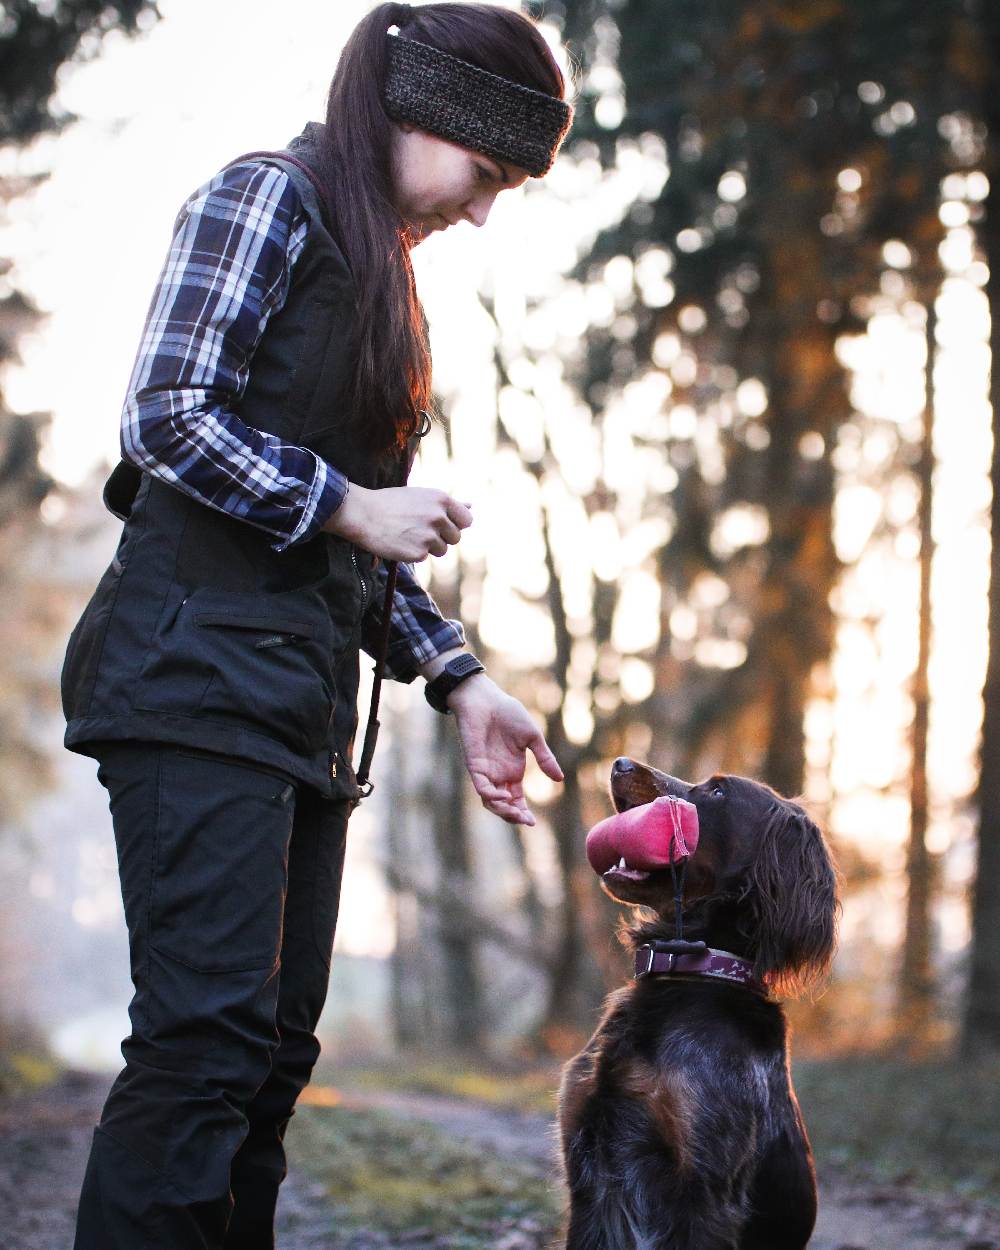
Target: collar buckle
x: 644, y: 957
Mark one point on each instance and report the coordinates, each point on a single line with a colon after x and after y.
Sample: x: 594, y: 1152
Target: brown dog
x: 680, y: 1128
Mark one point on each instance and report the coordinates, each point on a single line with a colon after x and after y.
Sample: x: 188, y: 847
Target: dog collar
x: 694, y: 959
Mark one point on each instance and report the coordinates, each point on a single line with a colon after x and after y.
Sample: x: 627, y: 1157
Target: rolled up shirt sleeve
x: 418, y: 632
x: 228, y: 271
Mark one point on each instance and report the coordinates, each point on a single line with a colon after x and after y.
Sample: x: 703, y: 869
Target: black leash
x: 371, y: 729
x: 677, y: 873
x: 391, y: 566
x: 661, y: 956
x: 677, y: 945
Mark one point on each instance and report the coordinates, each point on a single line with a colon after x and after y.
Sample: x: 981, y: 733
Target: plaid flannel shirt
x: 228, y: 270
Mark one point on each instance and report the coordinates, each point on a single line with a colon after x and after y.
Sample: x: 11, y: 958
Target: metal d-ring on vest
x: 365, y: 785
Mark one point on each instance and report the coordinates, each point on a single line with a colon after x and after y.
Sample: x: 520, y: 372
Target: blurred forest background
x: 739, y: 444
x: 746, y: 439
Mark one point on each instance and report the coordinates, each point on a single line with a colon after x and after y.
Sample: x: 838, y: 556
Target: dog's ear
x: 792, y: 890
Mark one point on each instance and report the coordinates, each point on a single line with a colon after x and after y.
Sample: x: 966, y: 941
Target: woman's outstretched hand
x: 406, y: 523
x: 496, y: 733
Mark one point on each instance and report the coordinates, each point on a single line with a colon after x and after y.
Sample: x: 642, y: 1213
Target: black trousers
x: 231, y: 882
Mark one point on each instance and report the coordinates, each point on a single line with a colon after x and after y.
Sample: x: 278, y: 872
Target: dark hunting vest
x: 199, y: 633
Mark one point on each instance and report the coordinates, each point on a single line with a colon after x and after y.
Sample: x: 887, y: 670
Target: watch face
x: 461, y: 665
x: 452, y: 675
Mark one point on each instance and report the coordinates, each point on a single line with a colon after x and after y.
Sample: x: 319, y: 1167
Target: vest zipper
x: 335, y: 758
x: 364, y: 587
x: 278, y: 640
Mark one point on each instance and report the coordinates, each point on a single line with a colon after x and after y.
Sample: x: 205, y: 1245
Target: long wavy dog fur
x: 680, y: 1129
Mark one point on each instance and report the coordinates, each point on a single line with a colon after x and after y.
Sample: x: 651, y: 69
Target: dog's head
x: 757, y: 851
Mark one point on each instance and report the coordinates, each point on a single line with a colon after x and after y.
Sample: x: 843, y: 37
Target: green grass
x: 931, y: 1126
x: 26, y: 1068
x: 405, y: 1178
x: 934, y: 1125
x: 520, y: 1089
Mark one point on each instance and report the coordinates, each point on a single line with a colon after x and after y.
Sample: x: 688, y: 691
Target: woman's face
x: 437, y: 184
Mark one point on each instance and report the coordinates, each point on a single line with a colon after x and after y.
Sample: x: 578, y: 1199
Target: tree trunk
x: 406, y: 1027
x: 982, y: 1014
x: 916, y: 983
x: 568, y: 1001
x: 451, y: 841
x: 784, y: 764
x: 575, y: 984
x: 450, y: 823
x: 796, y: 623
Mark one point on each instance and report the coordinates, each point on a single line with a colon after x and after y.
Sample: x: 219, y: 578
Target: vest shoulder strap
x: 305, y: 179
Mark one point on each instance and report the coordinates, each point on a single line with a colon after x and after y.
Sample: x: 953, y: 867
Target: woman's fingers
x: 488, y: 790
x: 460, y: 514
x: 450, y: 533
x: 456, y: 517
x: 507, y: 802
x: 547, y: 762
x: 447, y: 526
x: 401, y: 522
x: 515, y: 814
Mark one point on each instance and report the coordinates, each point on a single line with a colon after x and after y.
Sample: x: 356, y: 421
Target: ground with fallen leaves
x: 376, y: 1166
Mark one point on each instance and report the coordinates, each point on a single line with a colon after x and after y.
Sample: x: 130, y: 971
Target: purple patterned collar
x: 681, y: 958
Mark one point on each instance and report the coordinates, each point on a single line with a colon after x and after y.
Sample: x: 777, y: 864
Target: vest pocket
x: 86, y: 642
x: 237, y: 659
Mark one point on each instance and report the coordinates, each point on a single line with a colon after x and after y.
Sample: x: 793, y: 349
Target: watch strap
x: 453, y: 674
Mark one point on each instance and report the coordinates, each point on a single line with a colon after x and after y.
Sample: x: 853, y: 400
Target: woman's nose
x: 478, y: 210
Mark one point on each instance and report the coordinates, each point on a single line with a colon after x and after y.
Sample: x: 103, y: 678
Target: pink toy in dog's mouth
x: 644, y: 839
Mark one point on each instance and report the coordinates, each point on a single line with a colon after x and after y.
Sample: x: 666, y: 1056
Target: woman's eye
x: 483, y: 174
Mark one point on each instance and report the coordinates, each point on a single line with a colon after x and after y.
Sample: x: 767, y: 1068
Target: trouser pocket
x: 220, y: 863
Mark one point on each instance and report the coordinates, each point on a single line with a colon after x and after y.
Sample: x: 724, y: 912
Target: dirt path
x: 45, y: 1138
x: 44, y: 1141
x: 853, y: 1215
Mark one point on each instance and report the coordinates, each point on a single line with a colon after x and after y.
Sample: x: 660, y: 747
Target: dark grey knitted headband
x: 468, y: 105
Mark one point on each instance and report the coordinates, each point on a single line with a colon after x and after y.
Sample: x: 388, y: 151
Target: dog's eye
x: 717, y: 792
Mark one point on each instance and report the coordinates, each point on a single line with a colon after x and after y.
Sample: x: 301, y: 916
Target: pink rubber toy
x: 643, y: 837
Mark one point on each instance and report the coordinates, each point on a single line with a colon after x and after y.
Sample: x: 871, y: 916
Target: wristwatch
x: 453, y: 674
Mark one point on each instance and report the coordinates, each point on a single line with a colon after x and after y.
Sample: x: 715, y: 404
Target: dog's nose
x: 622, y: 765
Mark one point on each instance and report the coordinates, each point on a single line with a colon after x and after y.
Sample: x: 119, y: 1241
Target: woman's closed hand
x: 406, y: 523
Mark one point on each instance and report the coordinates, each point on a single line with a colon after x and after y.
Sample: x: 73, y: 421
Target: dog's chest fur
x: 686, y: 1082
x: 672, y: 1049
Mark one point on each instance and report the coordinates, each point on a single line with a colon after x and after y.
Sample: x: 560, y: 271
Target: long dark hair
x: 392, y: 381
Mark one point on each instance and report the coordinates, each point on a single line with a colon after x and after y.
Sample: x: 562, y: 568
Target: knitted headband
x: 468, y: 105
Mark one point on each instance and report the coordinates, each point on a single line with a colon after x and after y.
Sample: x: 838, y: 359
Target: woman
x: 277, y: 395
